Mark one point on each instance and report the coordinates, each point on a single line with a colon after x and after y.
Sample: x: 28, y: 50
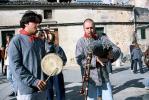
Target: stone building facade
x: 116, y: 20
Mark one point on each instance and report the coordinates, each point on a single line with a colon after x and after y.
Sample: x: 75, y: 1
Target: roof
x: 38, y: 4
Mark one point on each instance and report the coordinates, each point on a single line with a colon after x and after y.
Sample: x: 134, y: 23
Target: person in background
x: 10, y: 77
x: 25, y: 53
x: 2, y: 54
x: 131, y: 48
x: 146, y: 57
x: 146, y: 61
x: 99, y: 83
x: 137, y: 55
x: 118, y: 61
x: 57, y: 81
x: 41, y: 35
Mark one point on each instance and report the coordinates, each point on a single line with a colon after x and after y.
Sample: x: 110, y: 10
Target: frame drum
x: 51, y: 64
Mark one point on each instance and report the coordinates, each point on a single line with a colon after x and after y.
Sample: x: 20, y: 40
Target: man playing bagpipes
x: 146, y: 57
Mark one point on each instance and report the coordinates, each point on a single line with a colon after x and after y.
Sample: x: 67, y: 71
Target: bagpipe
x: 102, y: 50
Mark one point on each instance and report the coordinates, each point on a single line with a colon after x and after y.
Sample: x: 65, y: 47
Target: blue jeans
x: 58, y: 83
x: 135, y: 65
x: 97, y: 91
x: 132, y: 64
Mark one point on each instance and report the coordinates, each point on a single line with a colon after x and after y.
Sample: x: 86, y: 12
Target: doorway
x: 3, y: 36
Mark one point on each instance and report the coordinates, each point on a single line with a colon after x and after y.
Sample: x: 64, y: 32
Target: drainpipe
x: 135, y: 29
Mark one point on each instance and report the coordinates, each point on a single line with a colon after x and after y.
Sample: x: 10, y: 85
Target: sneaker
x: 12, y: 94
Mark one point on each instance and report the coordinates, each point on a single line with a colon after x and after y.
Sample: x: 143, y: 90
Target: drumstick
x: 99, y: 61
x: 56, y: 69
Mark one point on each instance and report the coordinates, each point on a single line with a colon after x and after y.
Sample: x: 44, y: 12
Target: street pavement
x: 125, y: 84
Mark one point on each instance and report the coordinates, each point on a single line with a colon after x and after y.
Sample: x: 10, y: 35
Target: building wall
x: 68, y: 35
x: 12, y: 17
x: 139, y: 3
x: 99, y: 15
x: 144, y: 4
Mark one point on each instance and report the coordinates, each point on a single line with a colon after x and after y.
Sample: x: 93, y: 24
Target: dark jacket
x: 136, y: 53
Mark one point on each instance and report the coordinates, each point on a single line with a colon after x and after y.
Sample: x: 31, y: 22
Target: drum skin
x: 51, y: 64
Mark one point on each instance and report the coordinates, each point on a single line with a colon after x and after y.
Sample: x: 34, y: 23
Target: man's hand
x: 101, y: 61
x: 41, y: 85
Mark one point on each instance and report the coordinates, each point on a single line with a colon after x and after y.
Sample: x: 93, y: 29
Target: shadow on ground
x: 117, y: 70
x: 73, y: 93
x: 146, y: 69
x: 3, y: 79
x: 131, y: 83
x: 141, y: 97
x: 134, y: 98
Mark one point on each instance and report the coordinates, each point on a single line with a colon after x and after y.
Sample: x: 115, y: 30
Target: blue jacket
x: 25, y: 62
x: 136, y: 53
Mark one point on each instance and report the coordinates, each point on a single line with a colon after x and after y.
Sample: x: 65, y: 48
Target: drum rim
x: 60, y: 66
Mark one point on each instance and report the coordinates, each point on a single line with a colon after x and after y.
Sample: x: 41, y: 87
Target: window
x: 99, y: 30
x: 47, y: 14
x: 143, y: 33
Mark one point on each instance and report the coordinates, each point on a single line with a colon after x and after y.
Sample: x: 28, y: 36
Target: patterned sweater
x: 97, y: 75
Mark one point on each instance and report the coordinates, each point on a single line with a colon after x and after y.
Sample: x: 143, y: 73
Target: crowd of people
x: 23, y: 54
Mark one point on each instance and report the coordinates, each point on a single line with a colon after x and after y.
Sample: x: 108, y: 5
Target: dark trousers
x: 132, y: 61
x: 139, y: 61
x: 58, y: 83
